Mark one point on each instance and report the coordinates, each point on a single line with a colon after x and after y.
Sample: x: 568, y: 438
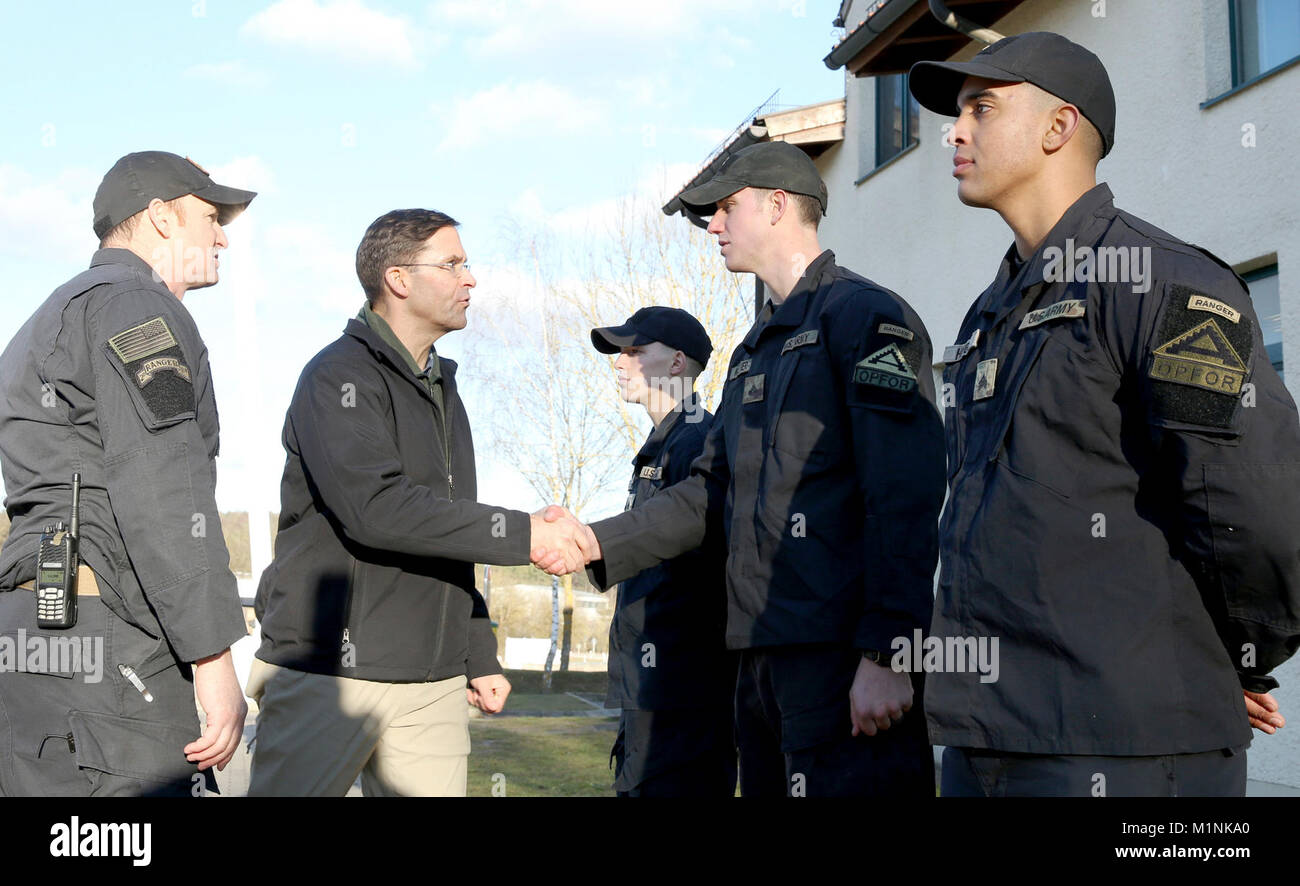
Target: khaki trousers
x: 316, y: 733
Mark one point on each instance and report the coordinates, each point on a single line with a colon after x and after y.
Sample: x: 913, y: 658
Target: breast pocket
x: 803, y: 408
x: 1061, y: 406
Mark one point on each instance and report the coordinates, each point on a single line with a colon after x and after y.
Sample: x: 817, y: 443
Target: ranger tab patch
x: 1201, y: 357
x: 886, y: 368
x: 900, y: 331
x: 1203, y: 303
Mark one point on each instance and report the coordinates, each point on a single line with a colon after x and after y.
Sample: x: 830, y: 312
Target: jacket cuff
x: 202, y: 617
x: 482, y: 659
x: 879, y: 630
x: 1257, y: 682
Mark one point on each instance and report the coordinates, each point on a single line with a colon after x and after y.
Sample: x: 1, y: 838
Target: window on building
x: 897, y: 117
x: 1266, y: 33
x: 1268, y: 307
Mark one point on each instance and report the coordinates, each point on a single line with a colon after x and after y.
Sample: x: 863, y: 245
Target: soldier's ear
x: 161, y: 216
x: 679, y: 364
x: 1062, y: 126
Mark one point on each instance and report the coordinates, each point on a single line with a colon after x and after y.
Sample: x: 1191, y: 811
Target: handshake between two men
x: 561, y: 544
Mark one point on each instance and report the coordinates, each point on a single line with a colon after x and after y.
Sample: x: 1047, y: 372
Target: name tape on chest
x: 804, y: 338
x: 958, y: 352
x: 986, y: 378
x: 886, y: 368
x: 739, y: 369
x: 1201, y: 357
x: 898, y: 331
x: 1061, y: 310
x: 753, y: 388
x: 1204, y: 303
x: 650, y: 472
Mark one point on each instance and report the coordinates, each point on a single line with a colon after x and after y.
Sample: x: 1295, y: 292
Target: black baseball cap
x: 1047, y: 60
x: 139, y: 178
x: 670, y: 326
x: 764, y: 165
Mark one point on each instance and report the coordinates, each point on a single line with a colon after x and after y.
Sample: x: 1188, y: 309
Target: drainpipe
x: 941, y: 11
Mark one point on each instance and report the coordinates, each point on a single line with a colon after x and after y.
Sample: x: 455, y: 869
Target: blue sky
x: 339, y: 110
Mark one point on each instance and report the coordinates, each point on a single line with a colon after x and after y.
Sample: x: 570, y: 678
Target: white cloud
x: 528, y: 26
x: 47, y: 219
x: 342, y: 28
x: 508, y: 108
x: 249, y: 172
x: 233, y: 73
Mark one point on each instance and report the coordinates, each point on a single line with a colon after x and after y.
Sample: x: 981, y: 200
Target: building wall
x: 1179, y: 167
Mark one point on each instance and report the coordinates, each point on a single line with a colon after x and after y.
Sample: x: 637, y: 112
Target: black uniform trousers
x: 794, y: 730
x: 85, y: 730
x: 675, y: 753
x: 973, y: 772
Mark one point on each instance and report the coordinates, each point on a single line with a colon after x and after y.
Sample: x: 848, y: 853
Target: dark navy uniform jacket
x: 824, y: 466
x: 1124, y: 506
x: 110, y: 378
x: 678, y: 607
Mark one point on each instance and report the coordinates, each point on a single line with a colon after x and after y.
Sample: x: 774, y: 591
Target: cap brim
x: 936, y: 85
x: 612, y: 339
x: 703, y: 199
x: 230, y: 202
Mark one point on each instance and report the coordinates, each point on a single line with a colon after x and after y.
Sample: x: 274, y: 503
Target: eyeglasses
x: 458, y: 268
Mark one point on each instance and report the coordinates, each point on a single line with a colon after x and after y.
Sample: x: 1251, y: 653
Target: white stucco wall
x: 1179, y: 167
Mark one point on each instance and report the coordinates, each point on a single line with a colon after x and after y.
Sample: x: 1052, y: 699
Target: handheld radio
x: 56, y: 570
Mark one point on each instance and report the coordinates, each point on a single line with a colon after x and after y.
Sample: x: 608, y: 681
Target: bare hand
x: 560, y: 543
x: 879, y: 697
x: 219, y: 694
x: 1262, y: 708
x: 488, y: 693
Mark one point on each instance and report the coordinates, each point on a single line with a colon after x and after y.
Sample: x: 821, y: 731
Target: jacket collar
x: 1077, y: 224
x: 654, y: 443
x: 792, y: 312
x: 385, y: 352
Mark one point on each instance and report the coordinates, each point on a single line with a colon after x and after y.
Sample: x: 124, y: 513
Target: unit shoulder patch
x: 1198, y: 365
x: 886, y: 368
x: 1201, y: 357
x: 152, y: 363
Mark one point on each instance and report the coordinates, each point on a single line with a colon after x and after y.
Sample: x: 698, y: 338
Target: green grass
x: 535, y: 703
x: 542, y: 756
x: 530, y: 682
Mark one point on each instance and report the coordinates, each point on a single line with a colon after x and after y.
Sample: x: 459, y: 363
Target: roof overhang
x: 814, y: 128
x: 896, y: 34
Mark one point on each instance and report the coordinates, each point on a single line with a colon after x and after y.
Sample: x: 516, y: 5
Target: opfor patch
x: 886, y: 368
x: 1201, y: 357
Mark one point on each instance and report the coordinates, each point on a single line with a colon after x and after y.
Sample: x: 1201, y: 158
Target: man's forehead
x: 978, y: 86
x: 734, y: 195
x: 446, y: 241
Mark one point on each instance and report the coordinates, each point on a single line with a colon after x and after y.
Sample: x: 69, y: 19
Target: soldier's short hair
x: 395, y: 238
x: 809, y: 208
x: 120, y: 234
